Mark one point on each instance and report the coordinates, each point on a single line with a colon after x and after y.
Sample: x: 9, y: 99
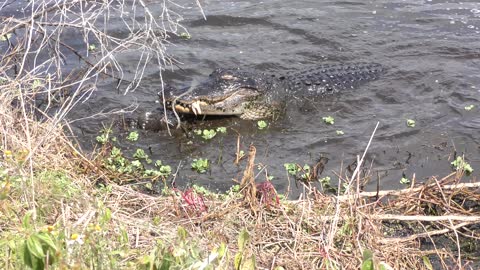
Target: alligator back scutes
x: 331, y: 78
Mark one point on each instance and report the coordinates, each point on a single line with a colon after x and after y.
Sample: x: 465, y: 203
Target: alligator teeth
x: 196, y: 107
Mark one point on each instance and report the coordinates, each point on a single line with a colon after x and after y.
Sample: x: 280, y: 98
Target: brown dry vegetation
x: 319, y: 231
x: 60, y: 208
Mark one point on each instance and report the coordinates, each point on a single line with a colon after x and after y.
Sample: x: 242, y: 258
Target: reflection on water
x: 430, y: 49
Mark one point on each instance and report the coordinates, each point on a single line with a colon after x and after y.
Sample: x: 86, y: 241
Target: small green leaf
x: 427, y: 263
x: 35, y: 247
x: 410, y: 123
x: 262, y: 124
x: 136, y: 163
x: 367, y: 254
x: 200, y: 165
x: 249, y: 264
x: 208, y: 134
x: 291, y: 168
x: 132, y: 136
x: 306, y: 169
x: 385, y: 266
x: 469, y: 107
x: 107, y: 215
x: 140, y: 154
x: 92, y: 47
x: 328, y: 120
x: 5, y: 37
x: 461, y: 164
x: 243, y: 239
x: 367, y: 265
x: 26, y: 220
x: 222, y: 130
x: 26, y: 255
x: 325, y: 180
x: 340, y: 132
x: 222, y: 250
x: 404, y: 181
x: 46, y: 238
x: 237, y: 261
x: 148, y: 186
x: 102, y: 138
x: 185, y: 35
x: 182, y: 233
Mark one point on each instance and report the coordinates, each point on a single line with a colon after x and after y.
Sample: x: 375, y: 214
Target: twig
x: 409, y: 190
x: 422, y: 235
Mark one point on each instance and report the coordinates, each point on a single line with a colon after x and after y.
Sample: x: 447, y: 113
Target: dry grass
x: 323, y: 232
x: 319, y: 231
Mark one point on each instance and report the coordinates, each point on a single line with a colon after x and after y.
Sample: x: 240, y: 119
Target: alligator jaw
x: 190, y: 108
x: 233, y: 103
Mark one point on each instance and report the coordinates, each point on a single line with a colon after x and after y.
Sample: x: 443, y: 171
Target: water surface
x: 431, y: 51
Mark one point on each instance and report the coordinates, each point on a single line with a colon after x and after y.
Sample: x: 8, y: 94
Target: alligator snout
x: 194, y: 107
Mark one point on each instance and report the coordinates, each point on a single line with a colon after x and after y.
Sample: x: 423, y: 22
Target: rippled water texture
x: 431, y: 50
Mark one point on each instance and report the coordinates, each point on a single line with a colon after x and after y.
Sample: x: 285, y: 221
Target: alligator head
x: 227, y: 92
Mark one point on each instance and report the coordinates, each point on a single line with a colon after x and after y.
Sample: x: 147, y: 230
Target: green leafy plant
x: 411, y: 123
x: 103, y: 138
x: 208, y: 134
x: 185, y: 35
x: 262, y: 124
x: 222, y: 130
x: 140, y: 154
x: 132, y: 136
x: 340, y: 132
x: 328, y: 120
x: 117, y: 162
x: 460, y: 164
x: 234, y: 189
x: 306, y: 172
x: 325, y: 181
x: 469, y: 107
x: 291, y: 168
x: 404, y: 181
x: 38, y: 249
x: 164, y: 170
x: 200, y: 165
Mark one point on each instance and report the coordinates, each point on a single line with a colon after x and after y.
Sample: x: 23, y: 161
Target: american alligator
x: 255, y: 96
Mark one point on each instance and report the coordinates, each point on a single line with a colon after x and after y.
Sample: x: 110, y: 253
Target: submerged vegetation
x: 63, y: 208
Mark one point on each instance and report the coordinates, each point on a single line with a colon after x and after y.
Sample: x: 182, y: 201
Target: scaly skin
x: 257, y: 96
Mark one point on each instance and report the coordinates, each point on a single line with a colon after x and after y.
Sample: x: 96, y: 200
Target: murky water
x: 431, y: 50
